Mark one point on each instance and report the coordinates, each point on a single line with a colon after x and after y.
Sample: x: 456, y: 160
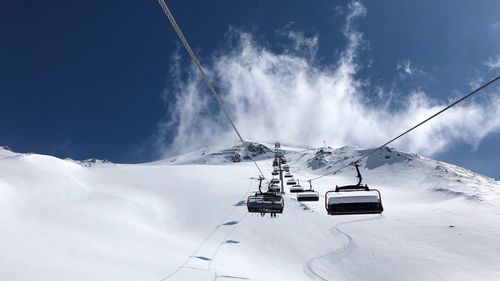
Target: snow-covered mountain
x: 184, y: 218
x: 221, y: 155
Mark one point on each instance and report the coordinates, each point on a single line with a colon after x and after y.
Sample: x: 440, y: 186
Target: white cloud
x: 493, y: 63
x: 285, y: 96
x: 474, y: 82
x: 301, y: 43
x: 405, y: 66
x: 495, y: 25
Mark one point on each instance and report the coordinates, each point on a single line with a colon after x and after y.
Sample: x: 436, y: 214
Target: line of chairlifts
x: 343, y: 200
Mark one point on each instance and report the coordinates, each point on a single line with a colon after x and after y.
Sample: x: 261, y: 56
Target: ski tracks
x: 202, y: 257
x: 336, y: 255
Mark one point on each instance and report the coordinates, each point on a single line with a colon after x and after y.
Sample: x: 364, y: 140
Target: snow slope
x: 184, y: 219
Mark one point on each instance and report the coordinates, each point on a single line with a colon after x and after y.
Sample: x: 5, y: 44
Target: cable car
x: 296, y: 188
x: 288, y: 175
x: 291, y: 182
x: 265, y: 202
x: 308, y: 195
x: 353, y: 199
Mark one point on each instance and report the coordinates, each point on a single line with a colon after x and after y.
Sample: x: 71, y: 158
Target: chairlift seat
x: 274, y: 188
x: 349, y: 200
x: 288, y: 175
x: 342, y: 198
x: 296, y: 188
x: 291, y: 182
x: 308, y: 195
x: 265, y: 203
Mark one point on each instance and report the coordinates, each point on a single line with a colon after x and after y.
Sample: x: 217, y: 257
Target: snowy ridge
x: 6, y: 152
x: 233, y: 154
x: 162, y: 221
x: 440, y: 176
x: 91, y: 162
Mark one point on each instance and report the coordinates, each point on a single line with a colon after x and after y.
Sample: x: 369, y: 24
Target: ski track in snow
x: 230, y: 221
x: 338, y: 253
x: 222, y: 242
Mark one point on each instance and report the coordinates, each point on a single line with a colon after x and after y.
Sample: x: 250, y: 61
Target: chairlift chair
x: 265, y: 202
x: 308, y: 195
x: 296, y: 188
x: 275, y: 173
x: 275, y: 181
x: 288, y: 175
x: 274, y: 188
x: 353, y: 199
x: 291, y: 182
x: 286, y: 168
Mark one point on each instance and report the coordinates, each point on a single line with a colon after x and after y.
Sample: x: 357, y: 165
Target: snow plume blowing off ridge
x: 289, y: 96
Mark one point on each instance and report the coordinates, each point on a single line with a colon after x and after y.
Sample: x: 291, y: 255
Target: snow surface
x: 185, y: 218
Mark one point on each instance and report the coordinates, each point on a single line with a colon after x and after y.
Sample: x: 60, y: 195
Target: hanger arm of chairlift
x: 357, y: 186
x: 359, y: 174
x: 310, y: 186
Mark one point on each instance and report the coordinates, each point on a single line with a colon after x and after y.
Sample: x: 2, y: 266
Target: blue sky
x: 104, y: 78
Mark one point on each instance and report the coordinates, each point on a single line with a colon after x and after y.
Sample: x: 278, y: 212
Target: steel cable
x: 184, y: 41
x: 477, y: 90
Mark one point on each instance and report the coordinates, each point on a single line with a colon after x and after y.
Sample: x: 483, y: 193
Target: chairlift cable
x: 184, y: 41
x: 477, y: 90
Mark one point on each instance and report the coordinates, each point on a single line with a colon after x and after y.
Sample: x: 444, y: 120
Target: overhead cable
x: 477, y: 90
x: 184, y: 41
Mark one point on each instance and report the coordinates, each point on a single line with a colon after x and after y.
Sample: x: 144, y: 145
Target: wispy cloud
x: 496, y: 25
x: 301, y: 43
x: 405, y: 67
x: 493, y: 63
x: 286, y: 96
